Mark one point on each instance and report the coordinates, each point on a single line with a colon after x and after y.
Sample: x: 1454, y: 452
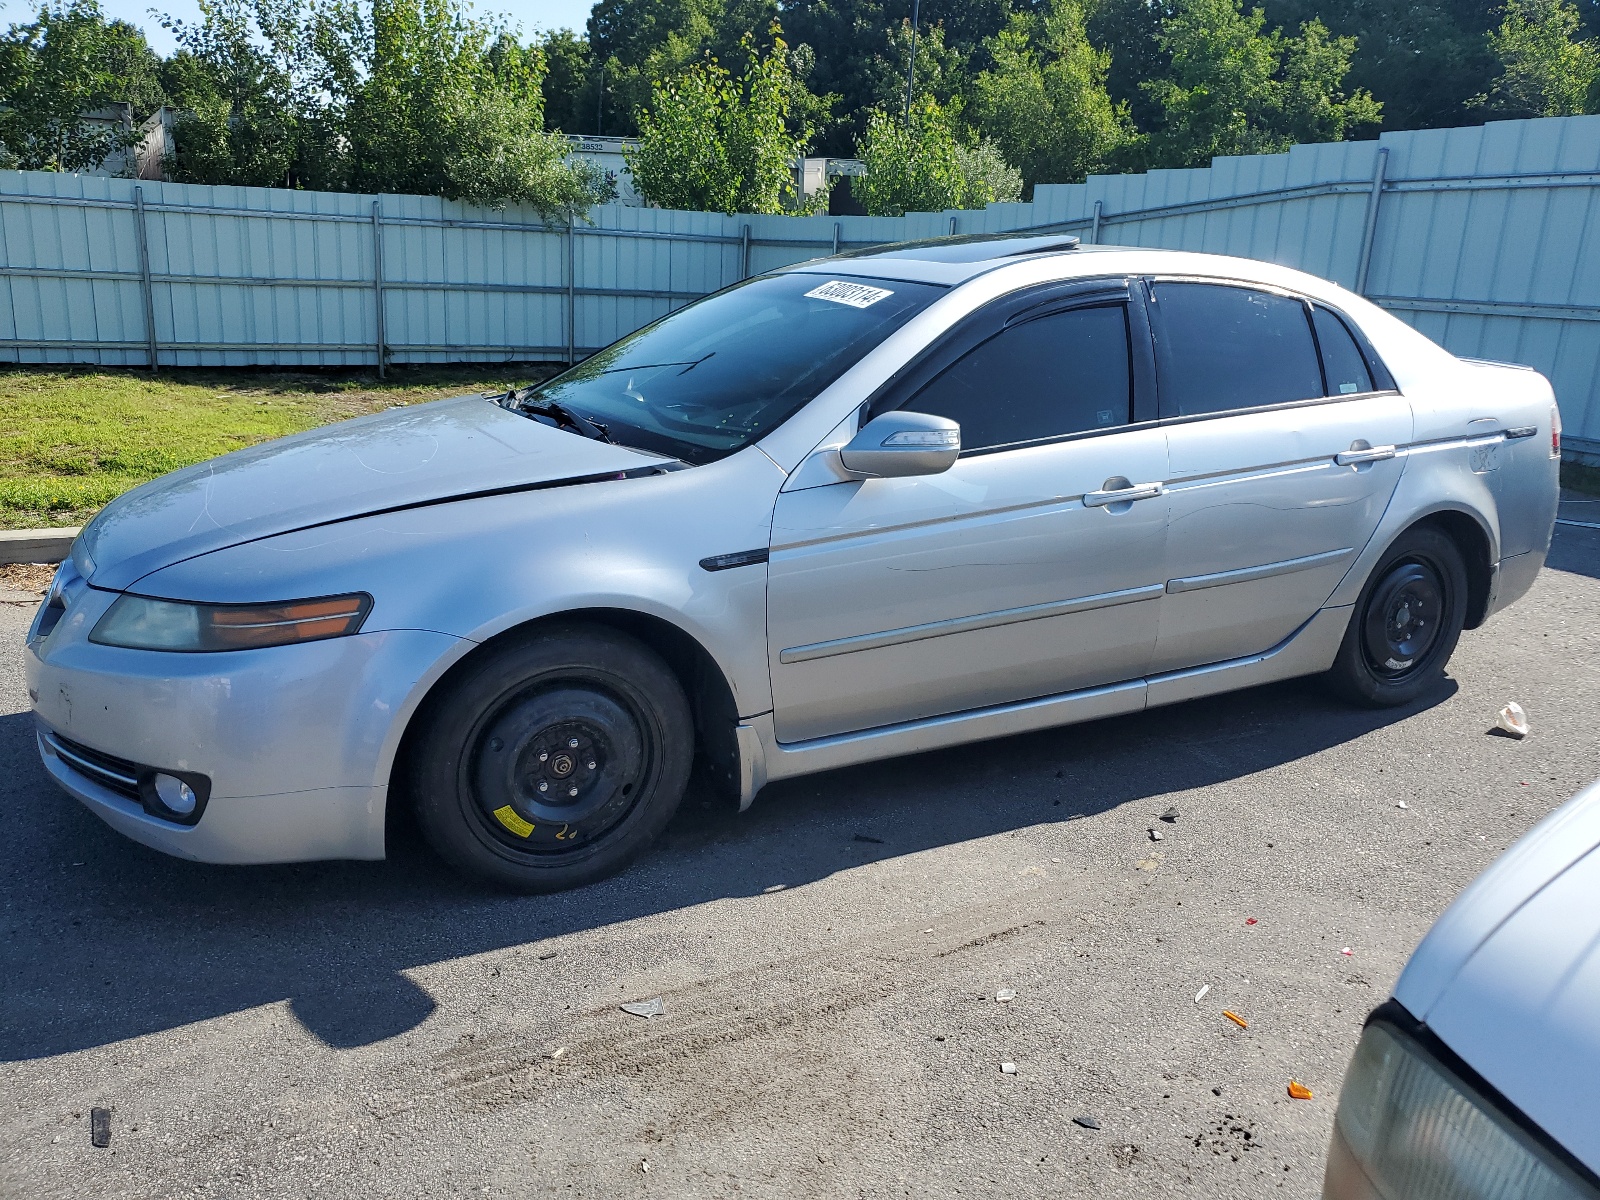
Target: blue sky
x: 530, y: 14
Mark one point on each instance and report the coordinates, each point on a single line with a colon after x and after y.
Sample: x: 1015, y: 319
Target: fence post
x: 744, y: 253
x: 144, y: 276
x: 1371, y: 229
x: 572, y: 289
x: 377, y: 281
x: 836, y: 237
x: 1094, y: 226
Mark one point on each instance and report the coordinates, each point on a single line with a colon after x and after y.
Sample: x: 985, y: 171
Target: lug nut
x: 543, y: 786
x: 543, y: 756
x: 572, y: 791
x: 572, y: 743
x: 591, y: 766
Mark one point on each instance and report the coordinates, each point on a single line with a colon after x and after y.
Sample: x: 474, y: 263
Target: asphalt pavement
x: 829, y: 964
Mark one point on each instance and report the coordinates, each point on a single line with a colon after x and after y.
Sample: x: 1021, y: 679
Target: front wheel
x: 554, y: 761
x: 1406, y: 624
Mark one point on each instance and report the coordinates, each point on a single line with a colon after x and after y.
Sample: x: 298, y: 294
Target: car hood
x: 420, y: 454
x: 1509, y: 977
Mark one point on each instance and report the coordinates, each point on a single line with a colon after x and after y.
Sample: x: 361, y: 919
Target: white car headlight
x: 143, y: 623
x: 1418, y: 1131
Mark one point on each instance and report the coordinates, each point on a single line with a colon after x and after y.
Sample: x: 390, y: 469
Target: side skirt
x: 763, y: 759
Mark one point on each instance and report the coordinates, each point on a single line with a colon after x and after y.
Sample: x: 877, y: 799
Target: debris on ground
x: 653, y: 1007
x: 1299, y: 1090
x: 777, y: 887
x: 100, y: 1128
x: 1236, y: 1018
x: 1087, y: 1122
x: 861, y: 837
x: 645, y: 1166
x: 1170, y: 816
x: 1201, y: 994
x: 1347, y: 952
x: 1249, y: 920
x: 1008, y: 1068
x: 547, y: 956
x: 1125, y: 1156
x: 1401, y: 804
x: 1149, y: 864
x: 1513, y: 720
x: 557, y: 1052
x: 1155, y: 834
x: 1005, y: 994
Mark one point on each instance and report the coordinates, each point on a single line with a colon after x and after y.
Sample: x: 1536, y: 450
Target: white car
x: 1480, y: 1079
x: 861, y: 507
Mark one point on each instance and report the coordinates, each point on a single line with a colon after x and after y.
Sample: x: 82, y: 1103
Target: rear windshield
x: 725, y: 371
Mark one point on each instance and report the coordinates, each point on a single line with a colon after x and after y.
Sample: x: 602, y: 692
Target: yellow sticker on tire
x: 508, y: 817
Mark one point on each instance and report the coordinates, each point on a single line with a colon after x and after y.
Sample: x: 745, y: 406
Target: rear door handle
x: 1375, y: 454
x: 1139, y: 491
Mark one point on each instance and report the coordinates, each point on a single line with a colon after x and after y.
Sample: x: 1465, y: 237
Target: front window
x: 725, y: 371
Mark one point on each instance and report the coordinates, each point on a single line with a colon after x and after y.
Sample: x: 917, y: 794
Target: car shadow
x: 105, y: 940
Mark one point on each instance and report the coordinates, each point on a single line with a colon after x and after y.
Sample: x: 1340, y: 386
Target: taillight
x: 1555, y: 431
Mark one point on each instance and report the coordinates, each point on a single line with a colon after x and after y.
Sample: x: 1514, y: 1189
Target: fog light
x: 175, y: 794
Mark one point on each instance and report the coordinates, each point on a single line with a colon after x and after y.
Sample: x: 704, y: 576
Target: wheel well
x: 1473, y: 542
x: 711, y: 700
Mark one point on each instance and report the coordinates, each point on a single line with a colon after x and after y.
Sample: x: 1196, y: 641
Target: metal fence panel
x: 1485, y: 238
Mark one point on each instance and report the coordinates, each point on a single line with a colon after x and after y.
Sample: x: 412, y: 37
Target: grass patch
x: 73, y: 439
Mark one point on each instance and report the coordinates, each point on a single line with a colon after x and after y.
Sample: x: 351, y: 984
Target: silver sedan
x: 862, y: 507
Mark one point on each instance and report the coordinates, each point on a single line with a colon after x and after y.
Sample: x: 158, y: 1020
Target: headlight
x: 1418, y: 1131
x: 141, y: 623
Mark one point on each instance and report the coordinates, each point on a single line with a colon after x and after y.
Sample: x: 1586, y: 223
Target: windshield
x: 722, y: 372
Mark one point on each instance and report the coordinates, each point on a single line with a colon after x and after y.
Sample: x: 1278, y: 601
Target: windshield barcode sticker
x: 856, y: 295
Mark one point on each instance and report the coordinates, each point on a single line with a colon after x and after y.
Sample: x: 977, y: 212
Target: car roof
x: 948, y: 260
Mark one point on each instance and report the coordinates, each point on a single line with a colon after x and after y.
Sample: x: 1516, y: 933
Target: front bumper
x: 297, y: 741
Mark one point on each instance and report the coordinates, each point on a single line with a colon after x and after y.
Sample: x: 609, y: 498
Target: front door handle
x: 1373, y: 454
x: 1137, y: 491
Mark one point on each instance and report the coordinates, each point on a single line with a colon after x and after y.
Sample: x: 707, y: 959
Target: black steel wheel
x: 1406, y: 623
x: 554, y: 761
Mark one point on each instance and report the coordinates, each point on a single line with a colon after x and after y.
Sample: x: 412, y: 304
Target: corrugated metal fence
x: 1485, y: 238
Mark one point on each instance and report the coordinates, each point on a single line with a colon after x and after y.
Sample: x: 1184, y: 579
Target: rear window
x: 1228, y: 347
x: 723, y: 372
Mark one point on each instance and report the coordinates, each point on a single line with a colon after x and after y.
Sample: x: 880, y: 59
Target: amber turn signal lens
x: 274, y: 624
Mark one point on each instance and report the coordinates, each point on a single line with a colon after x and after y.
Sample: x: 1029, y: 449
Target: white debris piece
x: 1004, y: 995
x: 1008, y: 1068
x: 1201, y: 994
x: 653, y: 1007
x: 1513, y: 720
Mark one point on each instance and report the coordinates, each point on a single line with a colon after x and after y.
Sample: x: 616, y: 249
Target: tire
x: 612, y: 725
x: 1406, y: 624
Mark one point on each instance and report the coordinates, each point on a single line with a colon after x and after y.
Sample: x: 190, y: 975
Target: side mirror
x: 902, y: 443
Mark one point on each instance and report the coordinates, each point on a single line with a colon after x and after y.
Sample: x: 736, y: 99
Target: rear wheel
x: 1406, y: 624
x: 553, y: 762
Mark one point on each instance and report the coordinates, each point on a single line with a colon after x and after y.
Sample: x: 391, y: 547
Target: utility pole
x: 911, y: 71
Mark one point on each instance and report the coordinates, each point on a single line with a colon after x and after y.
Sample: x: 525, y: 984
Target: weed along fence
x: 1486, y: 238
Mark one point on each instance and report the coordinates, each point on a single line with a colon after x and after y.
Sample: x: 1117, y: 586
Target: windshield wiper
x: 562, y: 415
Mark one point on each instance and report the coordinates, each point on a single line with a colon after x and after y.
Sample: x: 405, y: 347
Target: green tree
x: 568, y: 87
x: 67, y: 61
x: 432, y: 101
x: 713, y: 143
x: 1236, y: 89
x: 1547, y: 69
x: 243, y: 80
x: 1045, y: 102
x: 924, y: 165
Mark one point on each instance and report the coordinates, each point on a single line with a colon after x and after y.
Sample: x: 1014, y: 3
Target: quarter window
x: 1064, y: 373
x: 1342, y: 360
x: 1232, y: 347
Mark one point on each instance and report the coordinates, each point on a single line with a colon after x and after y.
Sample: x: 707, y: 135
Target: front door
x: 1282, y: 430
x: 1021, y: 572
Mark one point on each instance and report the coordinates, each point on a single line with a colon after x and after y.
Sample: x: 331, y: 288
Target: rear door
x: 1027, y: 569
x: 1282, y: 429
